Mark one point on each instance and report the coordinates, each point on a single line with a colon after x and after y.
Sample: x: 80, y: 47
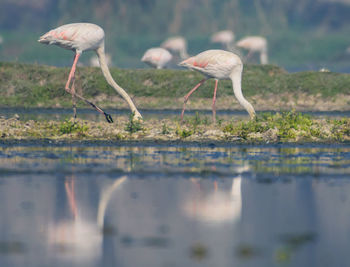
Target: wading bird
x: 176, y: 44
x: 225, y: 38
x: 81, y: 37
x: 157, y: 57
x: 218, y: 64
x: 254, y: 44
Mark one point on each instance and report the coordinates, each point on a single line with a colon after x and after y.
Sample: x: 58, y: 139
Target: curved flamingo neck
x: 236, y: 78
x: 106, y: 73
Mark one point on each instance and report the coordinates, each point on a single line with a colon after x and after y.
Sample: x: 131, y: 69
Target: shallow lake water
x: 124, y: 204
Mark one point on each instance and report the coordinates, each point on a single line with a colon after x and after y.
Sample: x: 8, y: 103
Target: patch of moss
x: 183, y: 132
x: 133, y: 126
x: 68, y: 127
x: 287, y: 126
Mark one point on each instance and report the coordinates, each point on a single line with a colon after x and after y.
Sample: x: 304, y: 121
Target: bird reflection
x: 217, y: 203
x: 79, y: 237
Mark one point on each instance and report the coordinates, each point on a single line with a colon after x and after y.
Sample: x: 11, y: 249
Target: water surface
x: 160, y: 205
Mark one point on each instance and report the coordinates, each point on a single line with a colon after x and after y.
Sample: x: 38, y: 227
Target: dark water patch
x: 12, y: 247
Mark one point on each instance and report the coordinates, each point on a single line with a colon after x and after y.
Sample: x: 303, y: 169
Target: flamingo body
x: 225, y: 38
x: 176, y: 44
x: 218, y: 64
x: 255, y: 44
x: 157, y: 57
x: 81, y: 37
x: 76, y: 36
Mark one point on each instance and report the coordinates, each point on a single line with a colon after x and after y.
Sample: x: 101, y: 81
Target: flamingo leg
x: 71, y: 79
x: 249, y: 55
x: 188, y: 95
x: 214, y: 100
x: 72, y: 72
x: 74, y: 100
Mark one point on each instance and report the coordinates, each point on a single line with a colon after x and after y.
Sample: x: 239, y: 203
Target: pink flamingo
x: 81, y: 37
x: 225, y: 38
x: 255, y: 44
x: 218, y: 64
x: 176, y: 44
x: 157, y: 57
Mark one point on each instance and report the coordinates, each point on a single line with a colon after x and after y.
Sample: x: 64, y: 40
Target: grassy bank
x: 267, y: 87
x: 266, y: 128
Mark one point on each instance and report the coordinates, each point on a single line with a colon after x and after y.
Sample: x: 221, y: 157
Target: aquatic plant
x: 132, y: 125
x: 165, y: 129
x: 68, y: 127
x: 198, y: 120
x: 183, y: 132
x: 340, y: 128
x: 280, y: 126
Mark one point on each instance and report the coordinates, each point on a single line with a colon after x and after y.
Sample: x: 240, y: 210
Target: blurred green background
x: 302, y: 34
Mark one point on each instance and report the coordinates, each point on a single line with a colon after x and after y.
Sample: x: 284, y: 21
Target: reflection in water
x: 79, y: 238
x: 215, y: 205
x: 177, y: 206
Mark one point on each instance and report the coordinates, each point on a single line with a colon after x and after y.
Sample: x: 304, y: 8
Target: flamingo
x: 81, y: 37
x: 255, y: 44
x: 176, y: 44
x: 225, y: 38
x: 218, y: 64
x: 157, y: 57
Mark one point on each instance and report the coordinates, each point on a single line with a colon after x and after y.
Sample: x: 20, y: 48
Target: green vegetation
x: 183, y: 132
x: 42, y: 86
x: 68, y: 126
x: 165, y: 129
x: 133, y: 126
x: 270, y: 128
x: 197, y: 120
x: 284, y: 126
